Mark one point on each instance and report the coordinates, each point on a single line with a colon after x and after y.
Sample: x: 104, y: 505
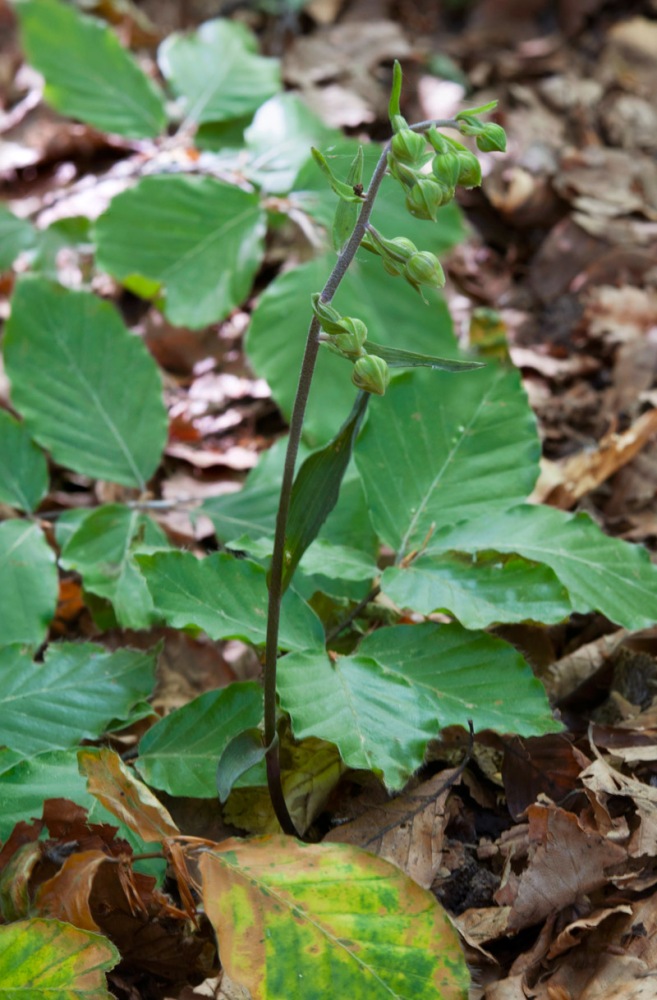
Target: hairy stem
x: 296, y: 425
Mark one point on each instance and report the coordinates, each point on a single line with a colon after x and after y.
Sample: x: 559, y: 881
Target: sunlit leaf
x: 356, y: 925
x: 67, y: 354
x: 51, y: 960
x: 89, y: 75
x: 196, y: 240
x: 217, y: 72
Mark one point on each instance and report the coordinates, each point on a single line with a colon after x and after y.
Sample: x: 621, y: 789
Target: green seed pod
x: 470, y: 169
x: 428, y: 195
x: 446, y: 168
x: 371, y: 374
x: 408, y: 147
x: 424, y: 269
x: 493, y: 139
x: 329, y: 318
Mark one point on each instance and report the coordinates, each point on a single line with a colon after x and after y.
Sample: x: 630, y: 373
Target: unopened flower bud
x: 329, y: 318
x: 470, y: 169
x: 424, y: 269
x: 372, y: 374
x: 492, y: 139
x: 446, y: 168
x: 351, y: 341
x: 406, y: 177
x: 428, y: 195
x: 408, y: 147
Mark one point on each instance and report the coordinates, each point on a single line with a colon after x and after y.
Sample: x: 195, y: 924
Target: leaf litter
x: 544, y: 850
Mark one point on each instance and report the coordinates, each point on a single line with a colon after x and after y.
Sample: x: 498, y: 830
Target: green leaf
x: 279, y: 141
x: 15, y: 235
x: 89, y: 75
x: 280, y: 322
x: 226, y: 597
x: 199, y: 240
x: 396, y: 358
x: 28, y: 583
x: 51, y: 960
x: 244, y: 751
x: 479, y: 592
x: 71, y: 233
x: 379, y: 721
x: 23, y: 467
x: 180, y: 753
x: 217, y: 72
x: 467, y: 675
x: 317, y: 487
x: 355, y: 924
x: 600, y: 573
x: 344, y: 191
x: 346, y: 212
x: 102, y: 550
x: 67, y: 354
x: 72, y: 695
x: 338, y: 562
x: 441, y: 448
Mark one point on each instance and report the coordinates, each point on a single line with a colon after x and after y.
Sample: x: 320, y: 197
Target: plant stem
x: 296, y: 425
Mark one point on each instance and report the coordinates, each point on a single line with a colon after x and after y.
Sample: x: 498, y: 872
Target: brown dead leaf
x: 572, y: 935
x: 65, y: 896
x: 538, y: 765
x: 566, y: 863
x: 408, y: 831
x: 584, y: 472
x: 570, y: 672
x: 607, y: 782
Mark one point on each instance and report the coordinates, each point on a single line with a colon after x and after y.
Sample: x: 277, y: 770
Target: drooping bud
x: 428, y: 195
x: 351, y: 343
x: 440, y: 142
x: 408, y: 147
x: 406, y: 177
x: 492, y: 139
x: 424, y: 269
x: 394, y: 253
x: 329, y: 318
x: 371, y: 374
x: 470, y: 169
x: 446, y: 168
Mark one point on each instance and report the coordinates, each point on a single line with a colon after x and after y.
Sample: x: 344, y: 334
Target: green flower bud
x: 439, y: 142
x: 470, y: 172
x: 469, y: 125
x: 424, y: 269
x: 493, y: 139
x: 329, y: 318
x: 394, y: 253
x: 408, y: 147
x: 424, y: 200
x: 406, y: 177
x: 351, y: 341
x: 446, y: 168
x: 371, y: 374
x: 393, y: 269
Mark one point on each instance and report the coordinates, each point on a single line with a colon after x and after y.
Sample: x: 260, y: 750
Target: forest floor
x: 543, y: 850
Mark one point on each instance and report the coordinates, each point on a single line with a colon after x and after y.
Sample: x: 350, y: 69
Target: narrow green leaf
x: 89, y: 75
x: 355, y: 924
x: 242, y: 753
x: 102, y: 551
x: 15, y: 235
x: 226, y: 597
x: 479, y: 592
x: 217, y: 72
x: 600, y: 573
x: 51, y: 960
x: 379, y: 721
x: 346, y: 212
x: 467, y: 676
x: 72, y: 695
x: 397, y: 358
x: 23, y: 467
x: 457, y: 447
x: 197, y: 240
x: 317, y: 487
x: 394, y: 109
x: 180, y: 753
x: 344, y: 191
x: 67, y: 354
x: 28, y: 583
